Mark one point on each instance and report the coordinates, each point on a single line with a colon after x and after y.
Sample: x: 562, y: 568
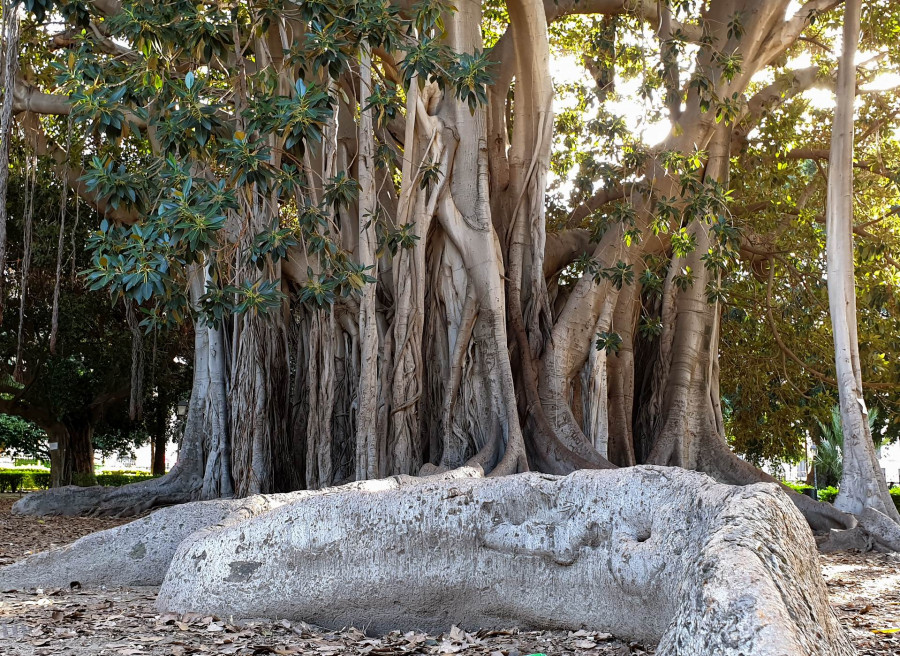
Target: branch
x: 29, y: 99
x: 563, y: 248
x: 45, y: 148
x: 790, y: 85
x: 646, y: 9
x: 40, y: 416
x: 592, y: 204
x: 784, y: 35
x: 822, y: 154
x: 107, y: 7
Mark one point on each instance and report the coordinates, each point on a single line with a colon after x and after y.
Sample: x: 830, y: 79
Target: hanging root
x: 60, y: 246
x: 136, y: 395
x: 10, y: 64
x: 18, y: 373
x: 457, y: 361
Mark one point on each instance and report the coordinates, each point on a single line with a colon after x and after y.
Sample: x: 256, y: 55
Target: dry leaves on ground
x: 123, y: 622
x: 865, y: 593
x: 22, y: 536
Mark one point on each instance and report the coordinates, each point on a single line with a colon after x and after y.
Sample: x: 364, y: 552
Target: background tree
x: 863, y: 488
x: 22, y: 439
x: 67, y: 353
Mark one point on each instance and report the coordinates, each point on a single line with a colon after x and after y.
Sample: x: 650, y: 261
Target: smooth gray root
x: 139, y: 553
x: 650, y: 553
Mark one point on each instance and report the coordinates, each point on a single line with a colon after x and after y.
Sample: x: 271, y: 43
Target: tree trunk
x: 368, y: 449
x: 158, y: 466
x: 160, y: 438
x: 72, y: 461
x: 862, y: 483
x: 10, y: 68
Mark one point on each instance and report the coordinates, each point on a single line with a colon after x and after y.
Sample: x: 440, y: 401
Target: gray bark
x: 367, y: 446
x: 139, y: 553
x: 862, y: 484
x: 10, y: 66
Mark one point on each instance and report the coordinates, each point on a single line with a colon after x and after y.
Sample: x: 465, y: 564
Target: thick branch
x: 45, y: 147
x: 563, y: 248
x: 592, y: 204
x: 28, y: 99
x: 784, y: 35
x: 765, y: 100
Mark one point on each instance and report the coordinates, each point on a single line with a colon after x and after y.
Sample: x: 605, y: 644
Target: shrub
x: 119, y: 478
x: 39, y: 480
x: 802, y: 488
x: 18, y: 480
x: 23, y: 462
x: 84, y: 480
x: 828, y: 494
x: 127, y: 472
x: 895, y: 495
x: 113, y: 479
x: 11, y: 481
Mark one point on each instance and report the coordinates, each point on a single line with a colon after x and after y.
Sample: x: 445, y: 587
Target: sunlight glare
x: 883, y: 82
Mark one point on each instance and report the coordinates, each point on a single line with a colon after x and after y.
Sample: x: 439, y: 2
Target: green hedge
x: 17, y: 480
x: 10, y: 481
x: 25, y: 462
x: 802, y: 488
x: 116, y: 479
x: 829, y: 493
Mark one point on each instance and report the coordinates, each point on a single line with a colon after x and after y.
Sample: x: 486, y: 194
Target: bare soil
x: 864, y: 589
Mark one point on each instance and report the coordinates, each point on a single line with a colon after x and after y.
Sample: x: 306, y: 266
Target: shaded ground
x: 864, y: 589
x: 22, y: 536
x: 865, y: 594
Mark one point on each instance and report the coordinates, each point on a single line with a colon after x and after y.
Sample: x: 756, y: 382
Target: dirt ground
x: 864, y: 589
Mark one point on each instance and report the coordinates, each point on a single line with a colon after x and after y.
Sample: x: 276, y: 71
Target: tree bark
x: 862, y: 483
x: 72, y: 461
x: 10, y: 67
x: 158, y: 466
x: 368, y: 464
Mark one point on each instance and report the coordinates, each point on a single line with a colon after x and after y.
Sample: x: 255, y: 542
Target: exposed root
x: 98, y: 501
x: 139, y: 553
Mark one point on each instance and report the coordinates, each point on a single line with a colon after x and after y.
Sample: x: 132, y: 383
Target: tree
x: 19, y: 437
x: 67, y: 354
x: 862, y: 483
x: 348, y: 201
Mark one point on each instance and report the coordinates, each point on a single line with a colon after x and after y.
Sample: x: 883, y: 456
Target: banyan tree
x: 348, y: 200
